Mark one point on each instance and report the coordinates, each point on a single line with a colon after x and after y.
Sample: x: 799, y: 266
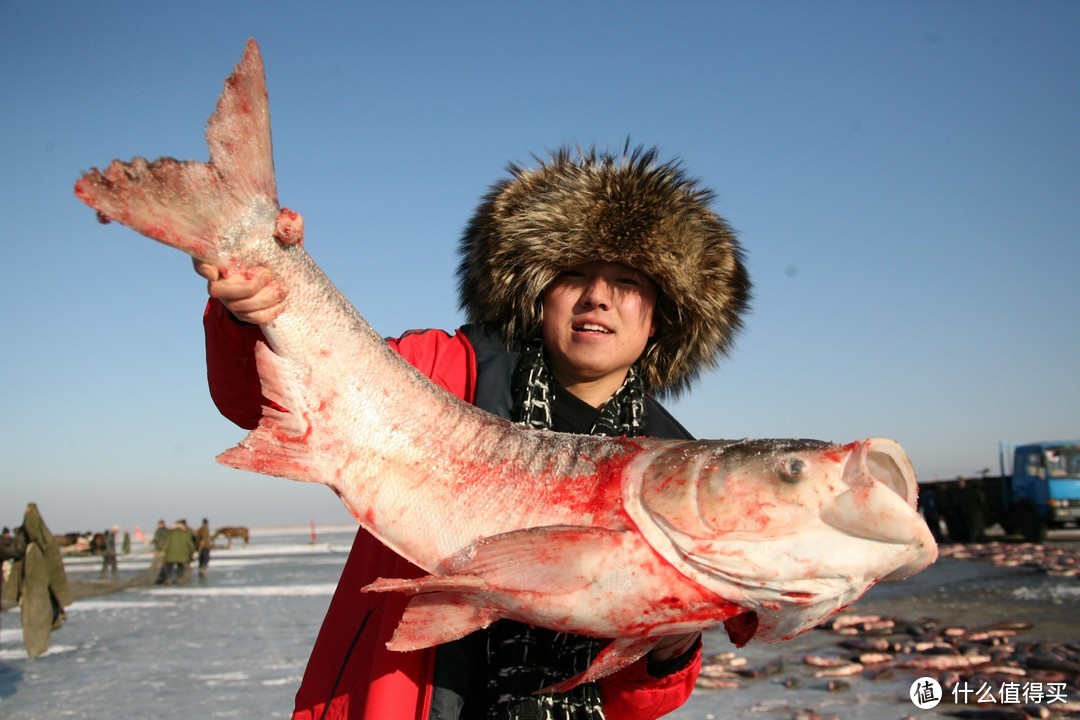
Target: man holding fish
x: 592, y: 282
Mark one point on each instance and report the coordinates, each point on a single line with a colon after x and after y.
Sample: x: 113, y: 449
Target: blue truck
x: 1043, y: 490
x: 1039, y: 492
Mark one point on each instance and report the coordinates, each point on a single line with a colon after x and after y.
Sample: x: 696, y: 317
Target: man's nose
x: 597, y: 293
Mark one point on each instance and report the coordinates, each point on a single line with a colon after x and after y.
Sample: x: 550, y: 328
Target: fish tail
x: 192, y: 205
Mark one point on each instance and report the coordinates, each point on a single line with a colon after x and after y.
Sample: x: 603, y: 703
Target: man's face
x: 598, y: 318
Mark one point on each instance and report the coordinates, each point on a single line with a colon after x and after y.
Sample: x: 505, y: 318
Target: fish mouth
x: 886, y: 462
x: 879, y: 502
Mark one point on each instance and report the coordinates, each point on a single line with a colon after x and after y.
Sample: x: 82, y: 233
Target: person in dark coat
x: 38, y: 583
x: 203, y: 542
x: 108, y: 556
x: 179, y: 549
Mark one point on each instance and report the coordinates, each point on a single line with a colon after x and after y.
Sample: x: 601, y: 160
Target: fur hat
x: 628, y: 208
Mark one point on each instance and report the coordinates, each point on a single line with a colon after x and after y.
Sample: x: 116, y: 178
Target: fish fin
x: 547, y: 560
x: 186, y: 204
x: 427, y: 584
x: 282, y: 384
x: 441, y: 611
x: 615, y: 656
x: 435, y: 618
x: 239, y: 130
x: 278, y: 446
x: 557, y: 559
x: 264, y: 452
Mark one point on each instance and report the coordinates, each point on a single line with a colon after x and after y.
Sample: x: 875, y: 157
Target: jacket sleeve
x: 634, y: 694
x: 230, y: 366
x: 234, y: 384
x: 449, y: 360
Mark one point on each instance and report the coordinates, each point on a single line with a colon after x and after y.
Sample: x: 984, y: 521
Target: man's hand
x: 253, y: 297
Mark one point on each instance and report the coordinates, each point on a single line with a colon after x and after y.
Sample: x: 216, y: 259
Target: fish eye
x: 792, y: 470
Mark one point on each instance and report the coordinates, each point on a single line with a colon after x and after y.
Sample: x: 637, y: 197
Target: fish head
x: 793, y: 529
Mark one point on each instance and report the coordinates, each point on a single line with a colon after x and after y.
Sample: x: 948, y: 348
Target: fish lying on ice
x: 619, y: 538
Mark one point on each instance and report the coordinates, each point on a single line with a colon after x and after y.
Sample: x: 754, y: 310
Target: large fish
x: 618, y: 538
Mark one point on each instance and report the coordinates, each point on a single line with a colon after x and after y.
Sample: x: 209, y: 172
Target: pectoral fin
x: 618, y: 654
x: 553, y: 560
x: 437, y: 618
x: 278, y: 446
x: 545, y: 561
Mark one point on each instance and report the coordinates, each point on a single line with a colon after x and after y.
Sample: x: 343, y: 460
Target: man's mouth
x: 592, y: 327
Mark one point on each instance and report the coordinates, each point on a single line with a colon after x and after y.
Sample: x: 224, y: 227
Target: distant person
x: 108, y: 555
x: 159, y: 536
x: 956, y: 517
x: 203, y: 543
x: 127, y: 543
x: 977, y: 512
x: 179, y: 549
x: 929, y: 505
x: 12, y: 548
x: 158, y: 541
x: 38, y: 583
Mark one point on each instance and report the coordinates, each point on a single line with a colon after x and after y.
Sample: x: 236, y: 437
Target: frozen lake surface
x: 231, y: 645
x: 234, y: 644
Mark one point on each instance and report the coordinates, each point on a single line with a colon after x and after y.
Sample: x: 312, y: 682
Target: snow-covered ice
x: 231, y: 645
x: 234, y: 645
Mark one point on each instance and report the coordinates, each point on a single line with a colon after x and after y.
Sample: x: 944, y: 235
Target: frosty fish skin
x: 620, y: 538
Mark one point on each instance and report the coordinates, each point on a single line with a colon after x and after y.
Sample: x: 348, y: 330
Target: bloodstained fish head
x: 764, y: 489
x: 792, y: 529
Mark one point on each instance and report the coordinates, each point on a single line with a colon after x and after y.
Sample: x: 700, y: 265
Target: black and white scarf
x: 524, y: 659
x: 623, y: 414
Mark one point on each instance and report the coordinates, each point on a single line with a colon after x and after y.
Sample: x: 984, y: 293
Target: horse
x: 230, y: 533
x: 66, y: 539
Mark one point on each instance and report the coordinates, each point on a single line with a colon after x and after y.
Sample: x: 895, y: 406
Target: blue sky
x: 904, y: 177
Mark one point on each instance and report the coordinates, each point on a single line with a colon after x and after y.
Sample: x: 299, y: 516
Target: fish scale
x: 629, y: 539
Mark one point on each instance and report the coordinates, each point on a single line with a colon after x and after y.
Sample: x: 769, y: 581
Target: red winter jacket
x: 351, y: 674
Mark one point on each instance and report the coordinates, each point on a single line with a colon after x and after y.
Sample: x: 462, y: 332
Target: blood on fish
x: 276, y: 465
x: 837, y: 455
x: 589, y: 494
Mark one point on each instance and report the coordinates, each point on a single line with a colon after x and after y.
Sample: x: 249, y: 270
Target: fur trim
x: 624, y: 208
